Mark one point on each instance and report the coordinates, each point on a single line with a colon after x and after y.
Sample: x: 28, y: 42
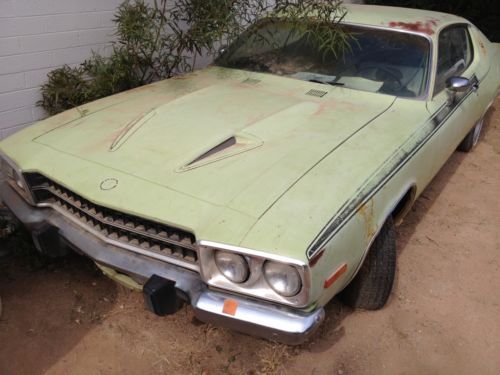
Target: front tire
x: 472, y: 138
x: 371, y: 287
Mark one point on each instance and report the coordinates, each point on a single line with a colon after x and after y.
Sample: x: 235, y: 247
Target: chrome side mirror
x: 458, y: 84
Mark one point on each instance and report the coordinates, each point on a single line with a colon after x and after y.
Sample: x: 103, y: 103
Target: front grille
x: 117, y: 226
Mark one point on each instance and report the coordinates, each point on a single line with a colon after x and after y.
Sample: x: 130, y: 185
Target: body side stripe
x: 392, y: 165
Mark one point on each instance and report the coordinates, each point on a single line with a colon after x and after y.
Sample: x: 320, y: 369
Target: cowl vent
x: 251, y: 81
x: 317, y: 93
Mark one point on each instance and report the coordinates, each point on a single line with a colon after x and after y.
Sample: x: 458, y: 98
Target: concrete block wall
x: 36, y: 36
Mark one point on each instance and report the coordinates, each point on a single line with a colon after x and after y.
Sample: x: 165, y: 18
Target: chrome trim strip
x: 191, y: 266
x: 254, y: 253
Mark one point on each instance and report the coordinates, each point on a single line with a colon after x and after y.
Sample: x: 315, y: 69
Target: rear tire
x: 472, y: 137
x: 371, y: 287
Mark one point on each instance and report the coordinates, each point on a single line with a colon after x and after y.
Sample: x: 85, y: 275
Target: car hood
x: 231, y: 138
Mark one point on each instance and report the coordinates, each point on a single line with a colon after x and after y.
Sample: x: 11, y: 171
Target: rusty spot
x: 314, y: 260
x: 332, y: 105
x: 426, y: 27
x: 483, y: 48
x: 367, y: 212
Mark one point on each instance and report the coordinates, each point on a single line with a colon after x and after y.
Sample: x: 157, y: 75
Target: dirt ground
x: 443, y: 317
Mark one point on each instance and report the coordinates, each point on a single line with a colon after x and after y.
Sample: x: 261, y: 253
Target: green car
x: 261, y: 187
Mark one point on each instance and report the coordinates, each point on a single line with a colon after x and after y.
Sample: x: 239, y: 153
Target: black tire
x: 472, y: 137
x: 371, y: 287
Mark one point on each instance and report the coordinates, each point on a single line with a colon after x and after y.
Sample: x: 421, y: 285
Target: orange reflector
x: 230, y: 307
x: 335, y: 276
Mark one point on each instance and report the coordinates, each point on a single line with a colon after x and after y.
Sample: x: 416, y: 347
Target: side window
x: 455, y: 54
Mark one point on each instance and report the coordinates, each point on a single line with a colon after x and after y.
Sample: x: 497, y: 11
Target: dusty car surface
x: 259, y: 188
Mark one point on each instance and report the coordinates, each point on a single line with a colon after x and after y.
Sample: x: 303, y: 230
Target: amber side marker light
x: 335, y: 276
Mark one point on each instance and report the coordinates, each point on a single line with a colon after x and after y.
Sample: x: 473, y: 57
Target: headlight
x: 283, y: 278
x: 233, y: 266
x: 258, y: 274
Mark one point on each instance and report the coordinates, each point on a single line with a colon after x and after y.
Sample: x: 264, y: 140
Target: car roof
x: 414, y: 20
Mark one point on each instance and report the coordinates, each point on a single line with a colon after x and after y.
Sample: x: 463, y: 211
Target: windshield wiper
x: 332, y: 83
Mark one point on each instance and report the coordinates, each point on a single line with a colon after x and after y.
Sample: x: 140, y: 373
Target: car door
x: 455, y: 113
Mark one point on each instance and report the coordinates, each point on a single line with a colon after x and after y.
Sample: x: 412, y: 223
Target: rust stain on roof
x: 426, y: 27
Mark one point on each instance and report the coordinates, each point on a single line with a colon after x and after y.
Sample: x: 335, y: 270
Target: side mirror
x: 458, y: 84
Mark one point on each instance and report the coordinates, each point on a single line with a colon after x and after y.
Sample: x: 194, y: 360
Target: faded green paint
x: 298, y: 161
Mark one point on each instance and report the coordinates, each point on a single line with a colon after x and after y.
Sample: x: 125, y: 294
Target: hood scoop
x: 131, y: 128
x: 221, y: 147
x: 230, y: 147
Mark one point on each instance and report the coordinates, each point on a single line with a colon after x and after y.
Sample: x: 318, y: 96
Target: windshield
x: 375, y: 60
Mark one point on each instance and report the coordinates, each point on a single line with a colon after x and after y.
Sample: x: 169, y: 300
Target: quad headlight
x: 283, y: 278
x: 255, y: 273
x: 233, y: 266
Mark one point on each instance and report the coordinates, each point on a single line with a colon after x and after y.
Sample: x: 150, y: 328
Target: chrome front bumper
x: 249, y: 316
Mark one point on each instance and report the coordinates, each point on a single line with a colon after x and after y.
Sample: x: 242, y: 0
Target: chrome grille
x: 132, y: 231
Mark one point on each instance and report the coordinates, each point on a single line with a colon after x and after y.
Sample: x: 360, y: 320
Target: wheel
x: 371, y: 287
x: 472, y: 137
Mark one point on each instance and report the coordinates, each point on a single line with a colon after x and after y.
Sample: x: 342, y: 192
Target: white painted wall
x: 37, y: 36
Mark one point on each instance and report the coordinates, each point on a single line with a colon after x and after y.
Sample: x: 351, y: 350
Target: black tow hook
x: 161, y: 296
x: 48, y: 241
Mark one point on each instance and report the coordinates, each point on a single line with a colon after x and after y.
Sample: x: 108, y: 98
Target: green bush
x: 66, y: 88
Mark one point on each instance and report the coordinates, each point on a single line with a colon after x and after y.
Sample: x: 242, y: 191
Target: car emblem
x: 109, y: 184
